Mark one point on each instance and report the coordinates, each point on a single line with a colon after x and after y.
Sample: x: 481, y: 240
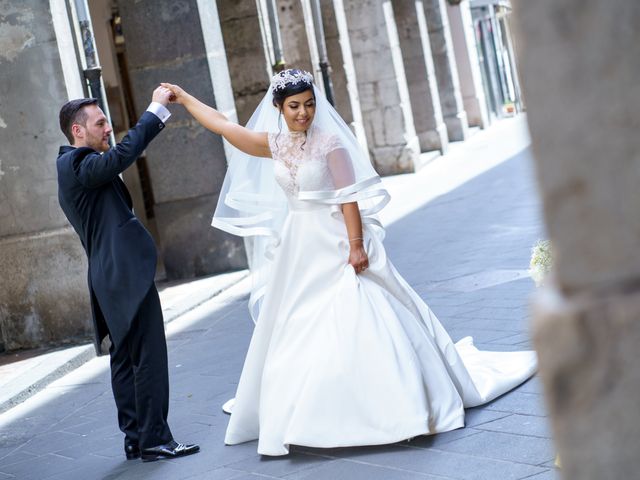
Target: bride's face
x: 298, y: 111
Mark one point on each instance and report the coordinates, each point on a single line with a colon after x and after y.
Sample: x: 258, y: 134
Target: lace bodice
x: 301, y: 160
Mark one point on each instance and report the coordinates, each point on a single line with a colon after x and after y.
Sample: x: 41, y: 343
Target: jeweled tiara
x: 290, y: 77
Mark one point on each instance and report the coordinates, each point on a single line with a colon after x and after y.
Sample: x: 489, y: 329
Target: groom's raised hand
x: 162, y: 95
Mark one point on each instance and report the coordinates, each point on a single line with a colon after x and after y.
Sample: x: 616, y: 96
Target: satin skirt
x: 338, y: 359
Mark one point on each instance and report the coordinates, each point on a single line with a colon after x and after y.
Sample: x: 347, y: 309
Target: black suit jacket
x: 122, y: 255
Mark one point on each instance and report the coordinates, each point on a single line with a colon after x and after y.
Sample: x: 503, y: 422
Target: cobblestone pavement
x: 465, y: 248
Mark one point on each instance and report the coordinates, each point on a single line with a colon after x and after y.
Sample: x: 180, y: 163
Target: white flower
x: 290, y: 77
x: 541, y: 261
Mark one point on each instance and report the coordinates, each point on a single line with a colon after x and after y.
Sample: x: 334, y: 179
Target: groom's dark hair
x: 73, y: 112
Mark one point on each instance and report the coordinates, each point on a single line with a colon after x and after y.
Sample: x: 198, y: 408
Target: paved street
x: 460, y: 231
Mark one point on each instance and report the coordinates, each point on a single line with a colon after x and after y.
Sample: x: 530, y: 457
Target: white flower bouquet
x: 541, y: 261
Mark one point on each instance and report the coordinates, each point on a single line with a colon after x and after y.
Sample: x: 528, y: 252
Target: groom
x: 122, y: 263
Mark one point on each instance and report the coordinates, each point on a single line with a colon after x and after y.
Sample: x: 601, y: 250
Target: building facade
x: 408, y: 77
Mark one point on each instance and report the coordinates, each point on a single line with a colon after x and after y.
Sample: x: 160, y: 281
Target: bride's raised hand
x: 178, y: 94
x: 253, y: 143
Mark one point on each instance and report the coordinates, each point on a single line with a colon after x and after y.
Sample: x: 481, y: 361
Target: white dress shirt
x: 159, y: 111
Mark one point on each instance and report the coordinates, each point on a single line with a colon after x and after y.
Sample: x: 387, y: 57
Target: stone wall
x: 43, y: 289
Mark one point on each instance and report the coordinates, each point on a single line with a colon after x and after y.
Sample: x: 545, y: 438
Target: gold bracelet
x: 355, y: 238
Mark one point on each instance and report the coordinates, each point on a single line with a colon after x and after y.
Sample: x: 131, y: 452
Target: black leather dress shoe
x: 131, y: 450
x: 172, y: 449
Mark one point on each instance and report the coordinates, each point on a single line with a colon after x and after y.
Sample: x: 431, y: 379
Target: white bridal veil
x: 252, y: 204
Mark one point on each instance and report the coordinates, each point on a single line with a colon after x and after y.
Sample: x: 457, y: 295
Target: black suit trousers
x: 140, y: 379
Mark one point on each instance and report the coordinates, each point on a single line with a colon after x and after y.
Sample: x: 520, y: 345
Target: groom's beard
x: 98, y: 143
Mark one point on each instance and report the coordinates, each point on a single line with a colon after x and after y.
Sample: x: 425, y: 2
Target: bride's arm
x: 342, y: 174
x: 250, y: 142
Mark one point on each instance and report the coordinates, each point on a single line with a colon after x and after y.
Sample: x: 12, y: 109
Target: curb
x: 85, y: 353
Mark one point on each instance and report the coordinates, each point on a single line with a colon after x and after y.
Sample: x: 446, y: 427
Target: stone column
x: 384, y: 95
x: 298, y: 37
x: 446, y: 72
x: 247, y: 57
x: 181, y: 42
x: 421, y: 77
x: 43, y: 272
x: 580, y: 77
x: 343, y: 74
x: 468, y: 64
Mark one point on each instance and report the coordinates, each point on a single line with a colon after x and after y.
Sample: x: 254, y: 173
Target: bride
x: 344, y: 352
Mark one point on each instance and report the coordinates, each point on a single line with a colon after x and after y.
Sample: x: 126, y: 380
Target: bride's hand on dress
x: 358, y: 258
x: 178, y: 94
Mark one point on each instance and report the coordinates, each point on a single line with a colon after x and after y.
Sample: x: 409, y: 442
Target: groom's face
x: 96, y: 130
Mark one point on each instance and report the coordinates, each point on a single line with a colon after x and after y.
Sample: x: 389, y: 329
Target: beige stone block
x: 367, y: 95
x: 230, y: 10
x: 435, y: 139
x: 394, y: 159
x: 394, y: 130
x: 388, y: 90
x: 360, y: 13
x: 374, y: 66
x: 374, y: 126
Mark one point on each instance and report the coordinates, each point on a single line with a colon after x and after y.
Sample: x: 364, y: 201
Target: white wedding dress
x: 338, y: 359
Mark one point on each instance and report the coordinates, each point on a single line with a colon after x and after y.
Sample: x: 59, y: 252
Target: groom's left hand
x: 162, y: 95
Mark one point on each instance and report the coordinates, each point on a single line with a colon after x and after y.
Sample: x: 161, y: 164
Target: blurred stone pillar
x: 580, y: 74
x: 247, y: 57
x: 446, y: 72
x: 384, y: 95
x: 181, y: 42
x: 467, y: 63
x: 43, y: 272
x: 343, y: 73
x: 421, y: 77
